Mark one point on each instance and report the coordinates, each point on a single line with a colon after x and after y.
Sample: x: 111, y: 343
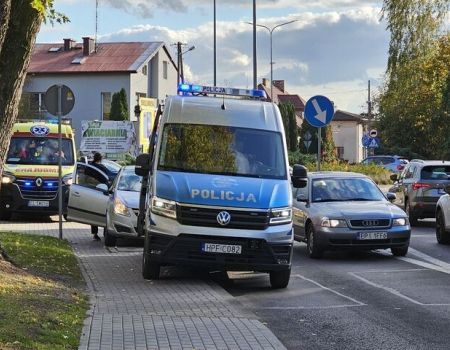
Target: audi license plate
x: 45, y: 204
x: 371, y: 235
x: 221, y: 248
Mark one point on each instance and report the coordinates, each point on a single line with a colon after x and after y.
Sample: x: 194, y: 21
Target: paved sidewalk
x: 128, y: 312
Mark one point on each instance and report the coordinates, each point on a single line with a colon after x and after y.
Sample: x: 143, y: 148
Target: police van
x: 30, y: 173
x: 217, y: 189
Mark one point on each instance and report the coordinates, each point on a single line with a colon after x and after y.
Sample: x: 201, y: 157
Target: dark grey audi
x: 340, y: 210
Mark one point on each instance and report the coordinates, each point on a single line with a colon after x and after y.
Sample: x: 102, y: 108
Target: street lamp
x: 271, y: 50
x: 180, y: 61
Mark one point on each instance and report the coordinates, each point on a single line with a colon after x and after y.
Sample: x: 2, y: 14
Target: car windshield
x: 39, y: 151
x: 129, y: 181
x: 214, y: 149
x: 111, y: 166
x: 345, y: 189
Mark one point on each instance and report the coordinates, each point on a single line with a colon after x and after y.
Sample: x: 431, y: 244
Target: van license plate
x: 221, y: 248
x: 372, y: 235
x: 44, y: 204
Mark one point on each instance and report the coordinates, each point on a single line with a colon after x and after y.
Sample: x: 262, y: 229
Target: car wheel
x: 442, y: 236
x: 314, y: 251
x: 280, y: 279
x: 150, y: 270
x: 400, y: 251
x: 110, y: 240
x: 412, y: 218
x: 6, y: 215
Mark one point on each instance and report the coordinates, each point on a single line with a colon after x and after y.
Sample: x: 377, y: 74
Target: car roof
x: 332, y: 174
x: 431, y: 162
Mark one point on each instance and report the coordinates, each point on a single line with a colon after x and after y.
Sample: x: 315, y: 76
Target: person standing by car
x: 97, y: 162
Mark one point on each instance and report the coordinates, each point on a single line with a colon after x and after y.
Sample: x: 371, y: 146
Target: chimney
x: 69, y: 44
x: 279, y: 84
x: 88, y: 46
x: 264, y: 82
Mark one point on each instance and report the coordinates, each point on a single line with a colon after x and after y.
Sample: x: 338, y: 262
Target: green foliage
x: 301, y: 158
x: 46, y: 9
x: 328, y: 152
x: 129, y: 160
x: 119, y: 106
x: 287, y: 111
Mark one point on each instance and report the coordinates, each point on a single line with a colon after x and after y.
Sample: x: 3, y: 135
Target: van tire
x: 150, y: 270
x: 280, y: 279
x: 110, y: 240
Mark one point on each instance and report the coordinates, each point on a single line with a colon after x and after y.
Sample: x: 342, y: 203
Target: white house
x: 96, y: 71
x: 348, y: 130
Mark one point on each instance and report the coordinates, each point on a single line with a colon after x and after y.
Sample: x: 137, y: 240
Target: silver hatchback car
x: 93, y: 200
x: 340, y: 210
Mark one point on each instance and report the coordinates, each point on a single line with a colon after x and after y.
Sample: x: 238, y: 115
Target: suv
x: 394, y: 164
x: 419, y: 187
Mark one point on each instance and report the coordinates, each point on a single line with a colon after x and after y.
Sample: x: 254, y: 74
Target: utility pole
x: 179, y: 65
x: 369, y: 114
x: 255, y: 69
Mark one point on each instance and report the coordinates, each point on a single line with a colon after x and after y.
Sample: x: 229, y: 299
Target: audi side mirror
x: 299, y: 176
x: 391, y: 196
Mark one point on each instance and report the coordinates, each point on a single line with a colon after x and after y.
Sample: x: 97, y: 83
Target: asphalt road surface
x: 367, y: 300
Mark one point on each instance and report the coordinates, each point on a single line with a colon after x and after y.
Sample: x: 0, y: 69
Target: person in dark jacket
x: 97, y: 162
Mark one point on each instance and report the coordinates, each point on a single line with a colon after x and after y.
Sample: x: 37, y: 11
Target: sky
x: 333, y: 49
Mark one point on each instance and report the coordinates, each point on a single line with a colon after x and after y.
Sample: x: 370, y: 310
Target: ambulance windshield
x: 39, y: 151
x: 214, y: 149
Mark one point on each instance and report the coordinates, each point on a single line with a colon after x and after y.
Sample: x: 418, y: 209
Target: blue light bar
x: 202, y: 89
x: 27, y: 183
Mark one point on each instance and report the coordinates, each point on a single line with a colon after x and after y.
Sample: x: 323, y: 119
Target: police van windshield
x: 39, y: 151
x: 214, y: 149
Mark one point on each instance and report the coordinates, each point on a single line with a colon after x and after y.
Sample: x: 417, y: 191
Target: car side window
x: 409, y: 172
x: 88, y: 176
x: 301, y: 194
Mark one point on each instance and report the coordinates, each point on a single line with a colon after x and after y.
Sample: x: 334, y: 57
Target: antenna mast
x: 96, y: 24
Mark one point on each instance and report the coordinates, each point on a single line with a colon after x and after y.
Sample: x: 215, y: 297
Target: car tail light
x: 417, y: 185
x: 400, y: 167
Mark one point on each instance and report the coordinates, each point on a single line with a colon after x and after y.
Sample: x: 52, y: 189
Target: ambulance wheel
x: 280, y: 279
x: 6, y: 215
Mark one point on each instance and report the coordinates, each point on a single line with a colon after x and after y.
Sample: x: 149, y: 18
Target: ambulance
x: 30, y: 174
x: 217, y: 192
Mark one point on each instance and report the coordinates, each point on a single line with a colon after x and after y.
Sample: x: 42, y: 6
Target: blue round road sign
x: 319, y: 111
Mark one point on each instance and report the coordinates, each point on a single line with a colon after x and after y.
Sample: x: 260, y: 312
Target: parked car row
x: 395, y: 164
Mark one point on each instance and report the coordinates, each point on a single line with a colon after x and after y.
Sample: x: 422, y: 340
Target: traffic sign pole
x: 60, y: 160
x: 319, y: 147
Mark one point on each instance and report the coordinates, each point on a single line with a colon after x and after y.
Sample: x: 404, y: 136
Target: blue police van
x: 217, y: 190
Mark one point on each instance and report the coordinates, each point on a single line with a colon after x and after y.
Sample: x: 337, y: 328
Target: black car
x: 419, y: 187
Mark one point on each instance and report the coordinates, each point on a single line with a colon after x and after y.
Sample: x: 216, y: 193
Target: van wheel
x: 6, y: 215
x: 150, y: 270
x: 280, y: 279
x: 401, y: 251
x: 442, y: 236
x: 110, y: 240
x: 314, y: 251
x: 412, y: 218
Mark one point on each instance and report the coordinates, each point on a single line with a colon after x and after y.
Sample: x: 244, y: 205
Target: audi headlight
x: 120, y: 208
x: 67, y: 180
x: 400, y: 222
x: 8, y: 178
x: 326, y: 222
x: 164, y: 207
x: 280, y: 216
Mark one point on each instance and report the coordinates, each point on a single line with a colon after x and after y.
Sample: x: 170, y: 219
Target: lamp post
x: 271, y: 49
x: 180, y: 61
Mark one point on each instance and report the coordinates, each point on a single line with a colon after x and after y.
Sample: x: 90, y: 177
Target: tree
x: 327, y: 144
x: 119, y: 106
x: 20, y: 21
x: 287, y: 111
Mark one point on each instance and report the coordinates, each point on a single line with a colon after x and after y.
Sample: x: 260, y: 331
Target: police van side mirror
x: 143, y: 164
x: 299, y: 176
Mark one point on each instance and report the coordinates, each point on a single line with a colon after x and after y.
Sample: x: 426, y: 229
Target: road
x: 368, y: 300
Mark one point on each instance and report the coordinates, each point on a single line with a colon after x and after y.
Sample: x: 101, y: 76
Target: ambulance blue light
x: 27, y: 183
x: 215, y: 90
x: 50, y: 184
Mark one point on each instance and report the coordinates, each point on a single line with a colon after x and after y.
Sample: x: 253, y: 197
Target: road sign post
x: 319, y: 112
x: 59, y: 100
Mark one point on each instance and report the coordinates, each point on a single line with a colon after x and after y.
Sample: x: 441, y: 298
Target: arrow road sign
x: 319, y: 111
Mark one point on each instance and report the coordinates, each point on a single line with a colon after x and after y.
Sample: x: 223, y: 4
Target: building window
x: 106, y: 105
x: 340, y: 152
x: 32, y: 105
x: 165, y: 67
x: 144, y: 70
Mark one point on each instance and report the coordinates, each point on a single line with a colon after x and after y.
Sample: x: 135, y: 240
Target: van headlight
x: 400, y: 222
x: 8, y: 178
x: 280, y: 216
x: 120, y: 208
x: 164, y: 207
x: 326, y: 222
x: 67, y: 180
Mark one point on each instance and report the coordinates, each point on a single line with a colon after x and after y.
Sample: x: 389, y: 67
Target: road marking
x: 308, y: 307
x: 330, y: 290
x: 429, y: 258
x: 388, y: 271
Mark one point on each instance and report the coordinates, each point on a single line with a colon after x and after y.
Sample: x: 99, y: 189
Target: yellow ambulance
x: 30, y: 174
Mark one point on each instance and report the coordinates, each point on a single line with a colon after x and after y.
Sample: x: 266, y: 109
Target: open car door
x: 88, y: 196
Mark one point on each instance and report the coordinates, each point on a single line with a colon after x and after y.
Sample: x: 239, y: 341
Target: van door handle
x: 76, y: 194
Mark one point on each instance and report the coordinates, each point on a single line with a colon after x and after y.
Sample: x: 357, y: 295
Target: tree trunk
x: 15, y: 53
x: 5, y: 9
